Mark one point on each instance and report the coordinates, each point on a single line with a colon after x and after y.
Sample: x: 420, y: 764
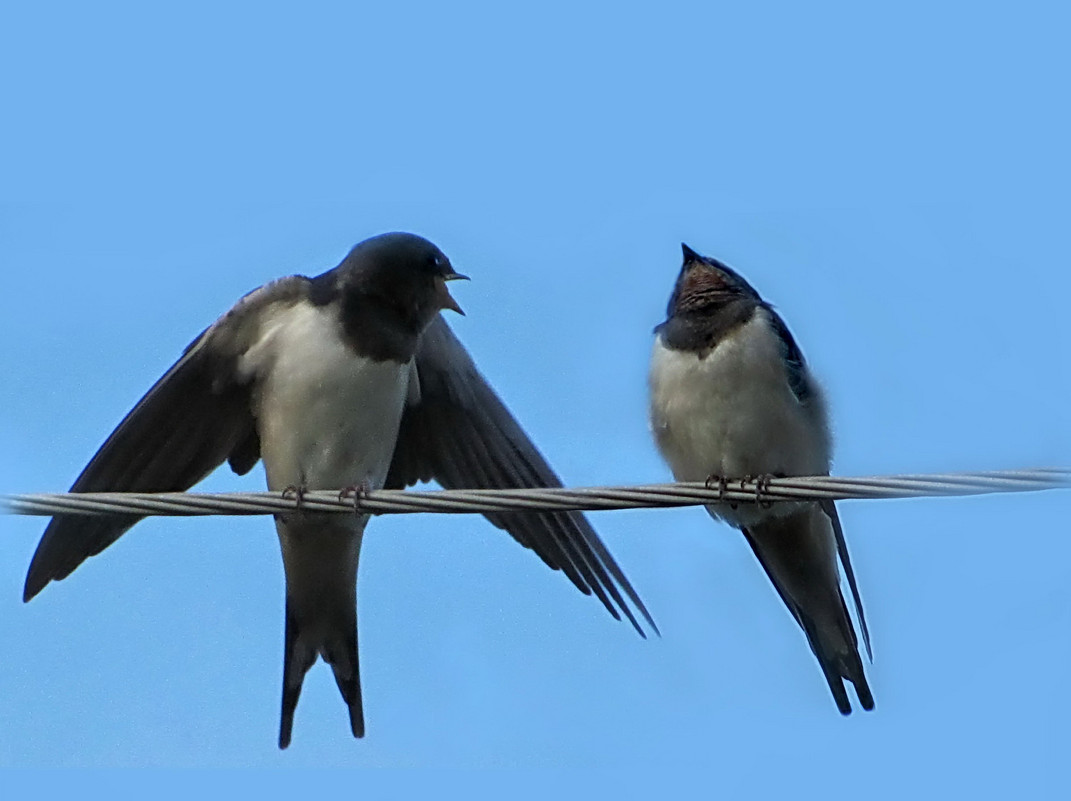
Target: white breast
x: 327, y: 418
x: 733, y: 414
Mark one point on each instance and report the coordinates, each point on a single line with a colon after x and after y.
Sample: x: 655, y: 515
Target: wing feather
x: 193, y: 419
x: 462, y: 435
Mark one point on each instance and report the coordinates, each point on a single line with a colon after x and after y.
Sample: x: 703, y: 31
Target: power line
x: 542, y: 500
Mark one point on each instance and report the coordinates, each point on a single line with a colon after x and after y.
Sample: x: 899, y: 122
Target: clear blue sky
x: 894, y: 179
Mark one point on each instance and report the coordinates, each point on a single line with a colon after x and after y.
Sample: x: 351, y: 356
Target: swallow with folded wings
x: 351, y: 379
x: 730, y: 397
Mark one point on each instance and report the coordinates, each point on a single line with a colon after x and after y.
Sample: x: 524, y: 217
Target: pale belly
x: 733, y: 415
x: 335, y: 433
x: 327, y: 418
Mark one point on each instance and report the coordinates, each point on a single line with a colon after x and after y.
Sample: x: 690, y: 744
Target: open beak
x: 446, y: 300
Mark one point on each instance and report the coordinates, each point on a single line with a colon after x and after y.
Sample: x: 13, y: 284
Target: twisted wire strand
x: 588, y: 499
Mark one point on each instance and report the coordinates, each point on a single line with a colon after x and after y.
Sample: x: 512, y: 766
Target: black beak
x: 446, y: 300
x: 689, y: 254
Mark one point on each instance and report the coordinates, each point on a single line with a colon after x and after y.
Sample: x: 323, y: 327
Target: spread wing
x: 463, y: 436
x: 195, y: 417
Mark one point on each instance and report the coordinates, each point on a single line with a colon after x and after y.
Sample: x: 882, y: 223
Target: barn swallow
x: 349, y: 380
x: 732, y: 397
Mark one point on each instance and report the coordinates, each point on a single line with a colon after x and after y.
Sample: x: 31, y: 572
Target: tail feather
x: 862, y: 689
x: 300, y: 653
x: 830, y: 509
x: 798, y: 554
x: 347, y: 670
x: 835, y: 681
x: 297, y: 659
x: 851, y: 668
x: 320, y: 556
x: 839, y: 665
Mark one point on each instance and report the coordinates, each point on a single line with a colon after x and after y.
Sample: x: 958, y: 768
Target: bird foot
x: 721, y: 482
x: 297, y: 492
x: 358, y: 492
x: 762, y: 485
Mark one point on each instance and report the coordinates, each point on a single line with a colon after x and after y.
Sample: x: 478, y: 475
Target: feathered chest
x: 327, y: 416
x: 732, y: 412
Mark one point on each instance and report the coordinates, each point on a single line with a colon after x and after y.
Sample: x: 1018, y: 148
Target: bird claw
x: 721, y: 482
x: 762, y: 485
x: 297, y: 492
x: 358, y: 492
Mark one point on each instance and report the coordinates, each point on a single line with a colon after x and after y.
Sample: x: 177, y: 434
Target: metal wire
x: 540, y: 500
